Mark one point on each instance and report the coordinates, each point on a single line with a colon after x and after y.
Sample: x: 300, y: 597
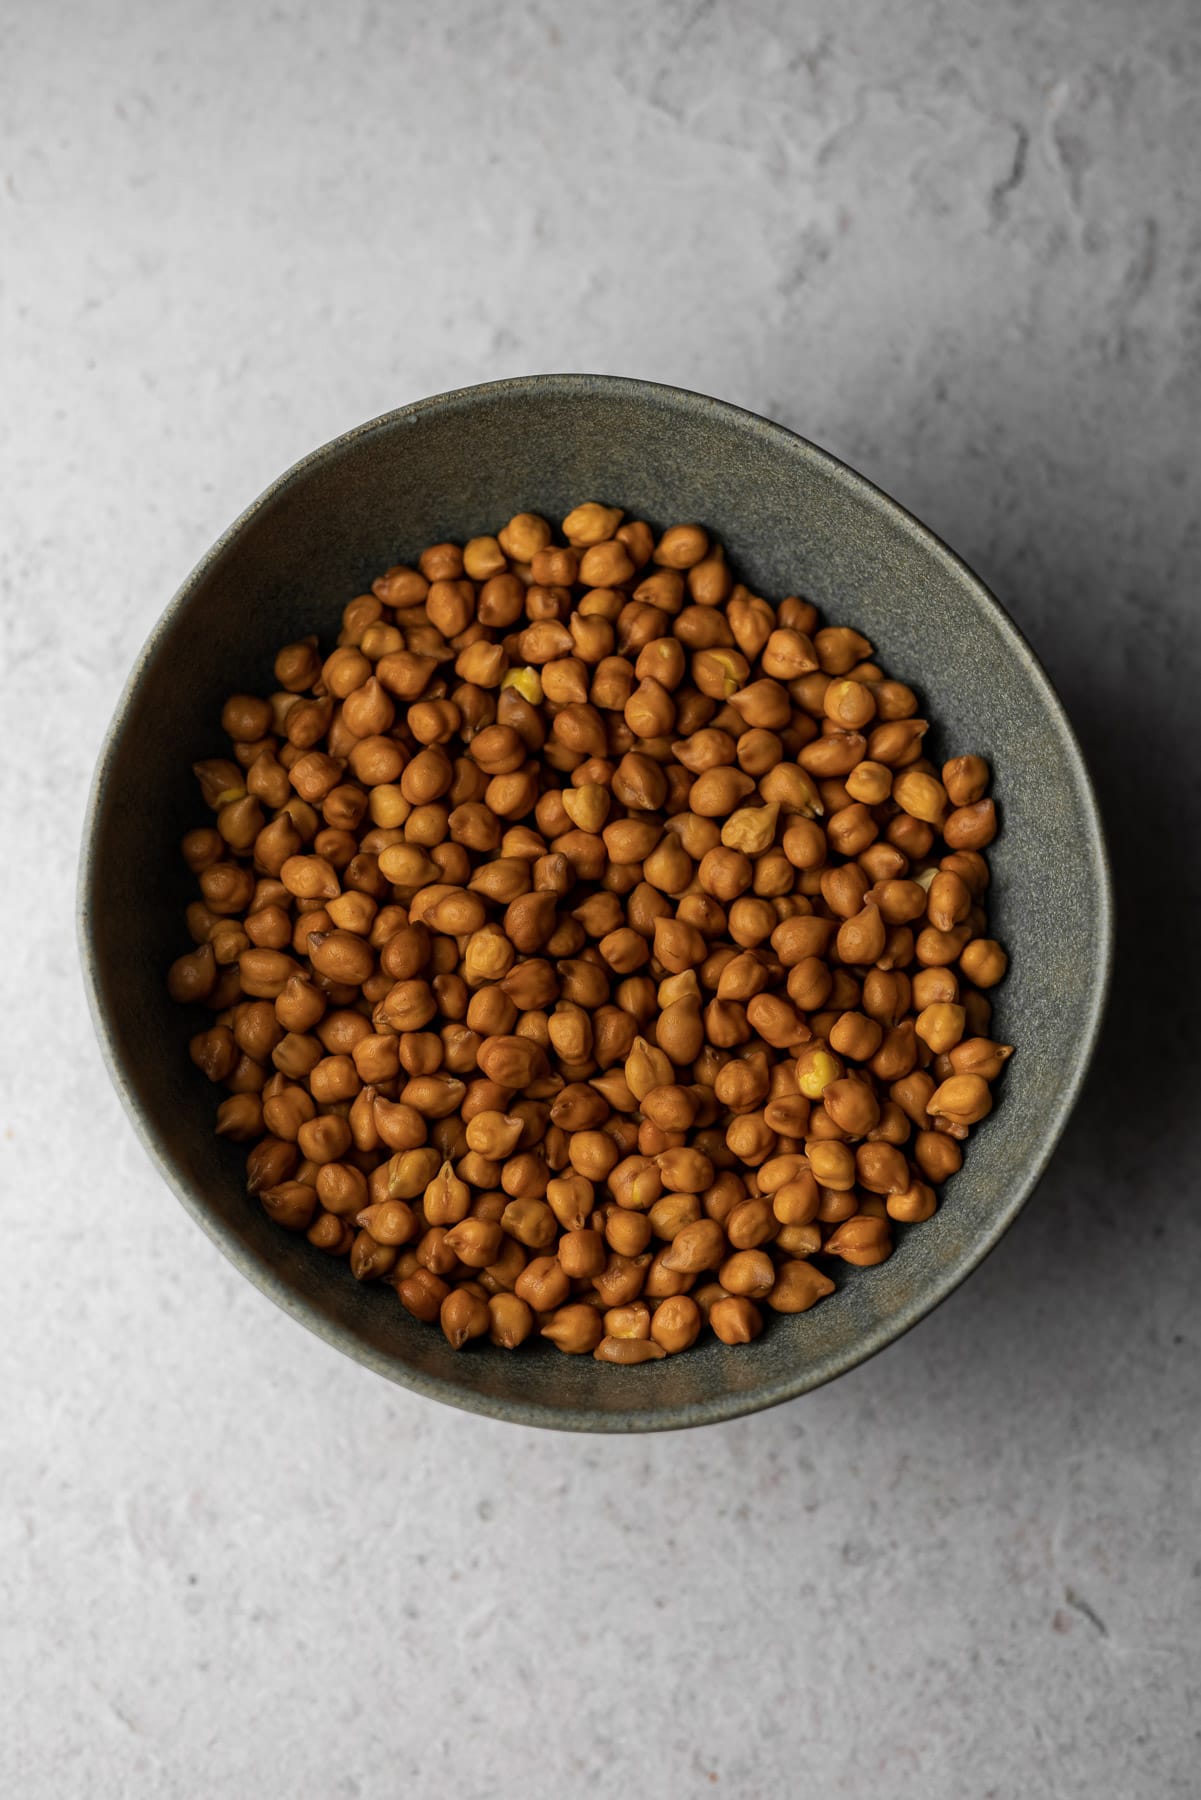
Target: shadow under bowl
x: 793, y: 519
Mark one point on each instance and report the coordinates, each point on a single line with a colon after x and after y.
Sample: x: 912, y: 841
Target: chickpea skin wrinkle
x: 583, y: 946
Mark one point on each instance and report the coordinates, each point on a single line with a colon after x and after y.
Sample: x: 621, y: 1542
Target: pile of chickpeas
x: 591, y: 949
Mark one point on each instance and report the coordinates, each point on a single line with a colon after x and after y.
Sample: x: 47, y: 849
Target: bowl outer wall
x: 793, y: 519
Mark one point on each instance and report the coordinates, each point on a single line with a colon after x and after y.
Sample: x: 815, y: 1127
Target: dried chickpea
x: 676, y: 1323
x: 575, y: 1330
x: 291, y: 1204
x: 971, y: 827
x: 748, y: 1272
x: 863, y: 1240
x: 464, y: 1315
x: 510, y: 1321
x: 983, y: 962
x: 962, y: 1099
x: 914, y: 1205
x: 980, y: 1056
x: 581, y: 1254
x: 735, y: 1319
x: 797, y: 1287
x: 941, y: 1026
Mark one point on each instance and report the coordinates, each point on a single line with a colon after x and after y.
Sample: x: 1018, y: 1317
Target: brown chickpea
x: 870, y: 783
x: 937, y: 1156
x: 941, y: 1026
x: 735, y: 1319
x: 750, y: 1273
x: 193, y: 977
x: 980, y: 1056
x: 631, y: 1323
x: 855, y: 1036
x: 627, y: 1233
x: 622, y: 1279
x: 835, y: 754
x: 912, y: 1094
x: 422, y: 1294
x: 270, y: 1162
x: 298, y: 666
x: 962, y: 1100
x: 463, y: 1315
x: 510, y: 1320
x: 475, y: 1242
x: 676, y: 1323
x: 582, y: 1254
x: 370, y: 1261
x: 788, y: 655
x: 681, y: 547
x: 798, y: 1286
x: 290, y: 1204
x: 863, y: 1240
x: 860, y: 939
x: 245, y: 718
x: 971, y: 867
x: 324, y: 1139
x: 334, y: 1078
x: 240, y: 1118
x: 391, y: 1222
x: 523, y: 537
x: 342, y: 1189
x: 965, y: 779
x: 848, y: 703
x: 214, y: 1052
x: 341, y: 957
x: 984, y: 962
x: 939, y: 949
x: 971, y: 827
x: 543, y: 1284
x: 660, y: 1281
x: 576, y: 1330
x: 698, y: 1243
x: 672, y: 1214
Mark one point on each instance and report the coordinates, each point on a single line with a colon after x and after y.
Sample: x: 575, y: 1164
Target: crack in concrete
x: 999, y: 196
x: 1081, y: 1605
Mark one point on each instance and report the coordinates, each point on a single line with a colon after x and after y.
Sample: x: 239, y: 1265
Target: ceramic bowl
x: 793, y: 520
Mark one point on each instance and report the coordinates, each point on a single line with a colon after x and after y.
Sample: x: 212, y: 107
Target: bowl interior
x: 793, y: 520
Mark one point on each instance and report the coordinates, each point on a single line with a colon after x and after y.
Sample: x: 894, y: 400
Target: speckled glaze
x: 793, y: 520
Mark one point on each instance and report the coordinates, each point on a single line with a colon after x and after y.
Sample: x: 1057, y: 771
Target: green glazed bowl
x: 793, y: 520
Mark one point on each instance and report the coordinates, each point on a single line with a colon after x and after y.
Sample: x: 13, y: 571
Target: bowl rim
x: 722, y: 1405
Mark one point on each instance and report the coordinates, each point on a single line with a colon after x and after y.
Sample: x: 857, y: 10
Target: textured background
x: 958, y: 245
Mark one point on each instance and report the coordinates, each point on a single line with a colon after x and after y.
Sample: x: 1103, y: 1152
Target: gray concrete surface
x: 960, y: 246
